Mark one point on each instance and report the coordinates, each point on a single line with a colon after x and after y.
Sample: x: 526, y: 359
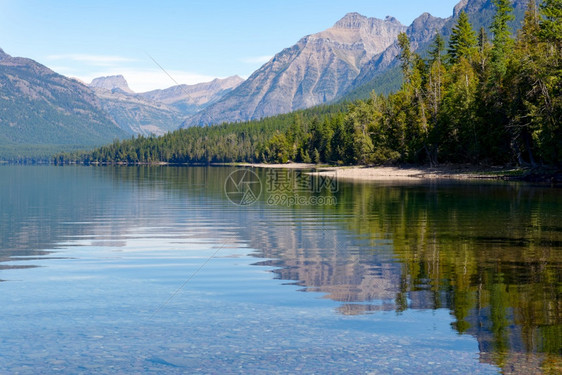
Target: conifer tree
x: 436, y: 49
x: 551, y: 23
x: 551, y: 87
x: 463, y: 40
x: 405, y: 56
x: 502, y: 43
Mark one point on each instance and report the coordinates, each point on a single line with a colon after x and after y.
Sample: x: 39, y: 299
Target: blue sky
x: 195, y: 41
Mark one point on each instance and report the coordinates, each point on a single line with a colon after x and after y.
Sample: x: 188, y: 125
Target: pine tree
x: 435, y: 84
x: 524, y: 87
x: 551, y: 73
x: 483, y: 53
x: 436, y: 73
x: 405, y: 56
x: 482, y: 39
x: 436, y: 49
x: 316, y: 156
x: 502, y: 43
x: 463, y: 40
x: 551, y: 23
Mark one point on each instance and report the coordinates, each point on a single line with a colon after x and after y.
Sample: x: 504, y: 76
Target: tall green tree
x: 406, y: 56
x: 523, y: 87
x: 483, y: 50
x: 502, y: 42
x: 436, y: 49
x: 358, y: 124
x: 436, y: 74
x: 493, y: 103
x: 551, y: 23
x: 551, y: 80
x: 463, y: 40
x: 435, y: 85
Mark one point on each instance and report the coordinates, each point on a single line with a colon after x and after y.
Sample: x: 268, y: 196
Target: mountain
x: 111, y: 83
x: 39, y: 107
x: 136, y: 115
x: 159, y: 111
x: 318, y: 69
x: 481, y: 12
x: 192, y: 98
x: 349, y: 60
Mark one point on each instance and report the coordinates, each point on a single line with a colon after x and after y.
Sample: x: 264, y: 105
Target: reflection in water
x: 489, y: 253
x: 492, y: 254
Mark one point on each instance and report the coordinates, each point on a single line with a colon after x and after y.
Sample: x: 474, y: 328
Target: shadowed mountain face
x: 41, y: 107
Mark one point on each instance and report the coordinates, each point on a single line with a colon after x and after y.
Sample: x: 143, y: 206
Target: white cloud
x: 95, y: 60
x: 256, y: 59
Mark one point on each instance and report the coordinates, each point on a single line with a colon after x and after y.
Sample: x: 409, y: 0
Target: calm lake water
x: 156, y: 270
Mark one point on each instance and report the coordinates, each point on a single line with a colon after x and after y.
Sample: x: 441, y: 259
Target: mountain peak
x: 391, y: 19
x: 459, y: 8
x: 425, y: 20
x: 355, y: 20
x: 111, y: 83
x: 352, y: 20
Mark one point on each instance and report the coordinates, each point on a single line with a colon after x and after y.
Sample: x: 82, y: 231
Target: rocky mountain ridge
x: 318, y: 69
x: 326, y: 66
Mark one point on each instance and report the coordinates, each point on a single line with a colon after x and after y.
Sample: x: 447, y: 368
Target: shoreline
x: 420, y: 173
x: 548, y: 175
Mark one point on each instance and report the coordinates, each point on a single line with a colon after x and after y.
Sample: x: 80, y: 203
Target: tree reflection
x: 492, y: 254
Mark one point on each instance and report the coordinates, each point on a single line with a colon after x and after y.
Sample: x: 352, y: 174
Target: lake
x: 170, y: 270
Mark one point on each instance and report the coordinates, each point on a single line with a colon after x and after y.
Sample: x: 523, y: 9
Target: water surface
x: 155, y: 270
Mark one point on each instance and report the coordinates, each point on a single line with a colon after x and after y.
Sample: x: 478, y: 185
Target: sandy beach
x: 384, y: 173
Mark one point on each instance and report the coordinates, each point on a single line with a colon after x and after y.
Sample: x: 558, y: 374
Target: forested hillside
x: 483, y: 99
x: 232, y: 142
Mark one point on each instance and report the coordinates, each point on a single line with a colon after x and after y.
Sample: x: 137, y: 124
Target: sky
x: 193, y: 41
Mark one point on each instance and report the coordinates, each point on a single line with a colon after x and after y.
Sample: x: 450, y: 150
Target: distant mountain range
x: 356, y: 55
x: 158, y: 111
x: 42, y: 112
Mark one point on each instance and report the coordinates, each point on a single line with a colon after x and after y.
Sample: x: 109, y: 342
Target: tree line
x: 493, y: 99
